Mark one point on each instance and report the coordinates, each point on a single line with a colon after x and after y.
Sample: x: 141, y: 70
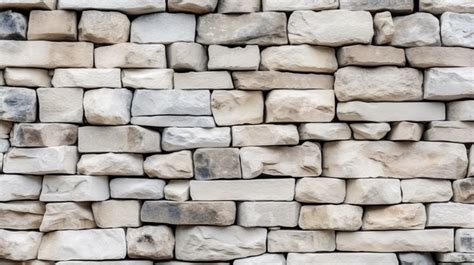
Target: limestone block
x: 289, y: 5
x: 192, y: 6
x: 268, y: 214
x: 461, y: 110
x: 30, y: 4
x: 453, y: 258
x: 104, y: 27
x: 56, y: 25
x: 450, y: 214
x: 148, y: 78
x: 170, y: 166
x: 163, y: 28
x: 456, y: 29
x: 130, y: 55
x: 87, y: 78
x: 324, y: 131
x: 60, y: 105
x: 463, y: 240
x: 449, y: 83
x: 440, y: 6
x: 13, y: 26
x: 406, y: 131
x: 21, y: 215
x: 177, y: 190
x: 320, y: 190
x: 172, y: 102
x: 276, y: 259
x: 464, y: 190
x: 108, y: 106
x: 117, y: 213
x: 152, y: 242
x: 43, y: 134
x: 74, y: 188
x: 342, y: 258
x: 233, y: 58
x: 268, y: 80
x: 133, y: 188
x: 402, y: 6
x: 418, y: 29
x: 27, y: 77
x: 416, y: 258
x: 426, y: 190
x: 331, y: 217
x: 368, y: 55
x: 231, y: 107
x: 19, y: 187
x: 450, y: 131
x: 238, y: 6
x: 427, y: 57
x: 265, y: 134
x: 189, y: 138
x: 301, y: 241
x: 111, y: 164
x: 67, y: 215
x: 17, y: 104
x: 370, y: 131
x: 203, y: 80
x: 395, y: 217
x: 384, y: 28
x: 373, y: 191
x: 19, y: 245
x: 136, y: 7
x: 5, y: 128
x: 187, y: 56
x: 217, y: 163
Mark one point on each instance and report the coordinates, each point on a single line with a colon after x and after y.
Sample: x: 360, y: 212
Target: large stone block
x: 450, y: 214
x: 171, y: 102
x: 17, y: 104
x: 265, y: 134
x: 117, y: 213
x: 290, y: 5
x: 111, y: 164
x: 27, y: 77
x: 103, y: 27
x: 148, y: 78
x: 163, y: 28
x: 177, y: 165
x: 268, y: 214
x: 13, y: 26
x: 203, y: 80
x: 233, y: 58
x: 269, y: 80
x: 406, y: 131
x: 450, y: 131
x: 449, y: 83
x: 133, y: 188
x: 19, y: 245
x: 320, y: 190
x: 43, y: 134
x: 237, y: 107
x: 461, y: 110
x: 56, y: 25
x: 464, y: 190
x: 136, y: 7
x: 187, y: 56
x: 325, y: 131
x: 217, y: 163
x: 130, y: 55
x: 108, y: 106
x: 395, y: 217
x: 440, y: 6
x: 426, y: 190
x: 74, y: 188
x: 301, y: 241
x: 238, y: 6
x: 400, y: 6
x: 152, y: 242
x: 189, y: 138
x: 19, y: 187
x: 456, y: 29
x: 331, y: 217
x: 427, y: 57
x: 418, y: 29
x: 373, y: 191
x: 368, y: 55
x: 87, y: 78
x: 60, y: 105
x: 67, y: 215
x: 21, y: 215
x: 175, y: 121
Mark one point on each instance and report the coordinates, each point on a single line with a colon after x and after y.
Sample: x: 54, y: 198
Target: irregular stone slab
x: 41, y: 161
x: 296, y: 161
x: 299, y: 58
x: 416, y: 258
x: 108, y: 106
x: 21, y: 215
x: 403, y: 6
x: 269, y: 80
x: 418, y: 29
x: 289, y: 5
x: 103, y: 27
x: 244, y: 190
x: 300, y: 106
x: 174, y: 102
x: 434, y: 240
x: 189, y: 138
x: 163, y: 28
x: 30, y: 4
x: 177, y: 190
x: 464, y: 190
x: 386, y: 83
x: 74, y: 188
x: 426, y: 190
x: 111, y: 164
x: 45, y: 54
x: 231, y: 107
x: 17, y: 104
x: 324, y: 131
x: 187, y: 56
x: 441, y: 6
x: 217, y: 163
x: 136, y: 7
x: 117, y: 213
x: 67, y: 215
x: 92, y: 244
x: 461, y: 110
x: 406, y: 131
x: 384, y: 28
x: 450, y: 131
x: 449, y: 83
x: 263, y: 28
x: 131, y: 139
x: 203, y: 80
x: 60, y: 105
x: 450, y: 214
x: 19, y: 245
x: 368, y: 55
x: 219, y: 243
x: 233, y: 58
x: 456, y: 29
x: 390, y: 111
x: 427, y: 57
x: 56, y: 25
x: 170, y: 166
x: 86, y: 78
x: 27, y: 77
x: 268, y: 214
x: 454, y: 257
x: 238, y: 6
x: 370, y: 131
x: 19, y: 187
x: 133, y: 188
x: 153, y: 242
x: 13, y: 25
x: 335, y: 27
x: 356, y: 159
x: 342, y: 258
x: 301, y: 241
x: 331, y: 217
x: 265, y: 134
x: 320, y: 190
x: 189, y: 213
x: 175, y: 121
x: 395, y: 217
x: 130, y: 55
x: 148, y: 78
x: 192, y: 6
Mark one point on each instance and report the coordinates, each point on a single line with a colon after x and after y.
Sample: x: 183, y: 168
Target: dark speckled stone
x: 17, y: 104
x: 217, y: 163
x: 12, y: 25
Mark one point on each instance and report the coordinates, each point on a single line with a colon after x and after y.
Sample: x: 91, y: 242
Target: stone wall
x: 244, y: 132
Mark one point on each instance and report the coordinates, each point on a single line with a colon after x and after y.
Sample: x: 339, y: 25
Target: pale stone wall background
x: 240, y: 132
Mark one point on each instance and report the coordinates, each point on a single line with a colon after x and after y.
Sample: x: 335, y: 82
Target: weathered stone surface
x: 331, y: 217
x: 237, y: 107
x: 5, y: 128
x: 299, y: 58
x: 177, y: 165
x: 56, y: 25
x: 238, y: 6
x: 19, y: 187
x: 470, y: 168
x: 415, y: 258
x: 103, y: 27
x: 87, y: 78
x: 402, y: 6
x: 92, y: 244
x: 427, y: 57
x: 44, y: 54
x: 219, y: 243
x: 335, y: 27
x: 450, y: 214
x: 132, y: 139
x: 418, y: 29
x: 133, y: 188
x: 130, y: 55
x: 30, y: 4
x: 4, y: 145
x: 289, y: 5
x: 267, y: 28
x: 395, y: 217
x: 217, y: 163
x: 187, y: 56
x: 301, y: 241
x: 117, y: 213
x: 177, y: 190
x: 342, y: 258
x: 384, y: 28
x: 111, y: 164
x: 233, y: 58
x: 67, y: 215
x: 268, y: 214
x: 464, y: 190
x: 355, y: 159
x: 370, y: 131
x: 189, y: 213
x: 368, y: 55
x: 300, y: 106
x: 296, y: 161
x: 203, y: 80
x: 441, y: 6
x: 19, y: 245
x: 110, y: 262
x: 12, y: 25
x: 21, y: 215
x: 324, y: 131
x: 426, y: 190
x: 386, y: 83
x: 136, y: 7
x: 463, y: 240
x: 27, y: 77
x: 406, y: 131
x: 320, y: 190
x: 450, y: 131
x: 175, y: 121
x: 244, y: 190
x: 60, y: 105
x: 189, y: 138
x: 163, y: 28
x: 461, y: 110
x: 153, y: 242
x: 148, y: 78
x: 456, y: 29
x: 373, y: 191
x: 265, y: 134
x: 390, y: 111
x: 192, y: 6
x: 108, y: 106
x: 276, y: 259
x: 41, y: 161
x: 74, y: 188
x: 435, y: 240
x: 17, y: 104
x: 174, y: 102
x: 449, y: 83
x: 453, y: 258
x: 268, y: 80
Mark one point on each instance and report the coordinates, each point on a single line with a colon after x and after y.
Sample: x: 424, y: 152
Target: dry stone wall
x: 244, y: 132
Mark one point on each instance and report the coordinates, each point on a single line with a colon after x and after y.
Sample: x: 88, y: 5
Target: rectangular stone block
x: 87, y: 78
x: 342, y: 258
x: 61, y: 105
x: 456, y: 29
x: 163, y: 28
x: 174, y: 121
x: 67, y: 216
x: 331, y: 217
x: 171, y: 102
x: 268, y: 214
x: 450, y: 131
x: 450, y: 214
x: 111, y: 164
x: 148, y: 78
x: 43, y: 134
x: 325, y: 131
x: 117, y: 213
x: 373, y: 191
x: 395, y: 217
x: 19, y: 187
x: 265, y: 134
x: 56, y: 25
x: 74, y: 188
x: 233, y: 58
x: 427, y: 57
x: 190, y: 138
x: 449, y: 83
x: 27, y: 77
x: 21, y: 215
x: 269, y: 80
x: 290, y: 5
x: 368, y: 55
x: 11, y: 242
x: 464, y: 240
x: 441, y: 6
x: 130, y: 55
x: 301, y: 241
x: 397, y: 7
x: 426, y: 190
x: 461, y: 110
x: 133, y: 188
x: 128, y: 7
x: 203, y: 80
x: 30, y: 4
x: 18, y: 104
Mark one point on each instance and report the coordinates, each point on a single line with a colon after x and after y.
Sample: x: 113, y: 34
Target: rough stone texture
x: 342, y: 258
x: 163, y: 28
x: 320, y: 190
x: 217, y: 163
x: 108, y: 106
x: 277, y: 259
x: 441, y: 6
x: 426, y: 57
x: 67, y: 215
x: 189, y: 138
x: 187, y: 56
x: 74, y: 188
x: 464, y: 190
x: 111, y: 164
x: 130, y: 55
x: 268, y: 214
x: 103, y: 27
x: 450, y: 131
x: 21, y: 215
x: 27, y: 77
x: 384, y: 28
x: 419, y: 29
x: 177, y: 190
x: 12, y: 25
x: 449, y: 83
x: 5, y: 128
x: 173, y: 102
x: 237, y: 107
x: 203, y: 80
x: 301, y: 241
x: 461, y: 110
x: 43, y: 134
x: 406, y: 131
x: 17, y: 104
x: 192, y: 6
x: 268, y: 80
x: 56, y: 25
x: 289, y: 5
x: 30, y: 4
x: 19, y: 245
x: 237, y: 58
x: 470, y: 169
x: 456, y: 29
x: 86, y: 78
x: 238, y: 6
x: 367, y: 55
x: 370, y: 131
x: 463, y: 240
x: 416, y: 258
x: 373, y: 191
x: 136, y: 7
x: 395, y: 217
x: 453, y: 258
x: 265, y: 134
x: 153, y: 242
x: 19, y: 187
x: 331, y: 217
x: 450, y: 214
x: 60, y: 105
x: 402, y: 6
x: 324, y: 131
x: 148, y: 78
x: 170, y: 166
x: 133, y: 188
x: 426, y: 190
x: 117, y: 213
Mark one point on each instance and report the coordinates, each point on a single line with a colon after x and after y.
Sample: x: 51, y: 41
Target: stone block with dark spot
x: 12, y: 25
x: 217, y: 163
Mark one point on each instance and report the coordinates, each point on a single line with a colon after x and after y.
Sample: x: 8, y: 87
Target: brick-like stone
x: 401, y: 6
x: 449, y: 83
x: 111, y: 164
x: 56, y: 25
x: 276, y: 259
x: 320, y: 190
x: 325, y: 131
x: 456, y: 29
x: 461, y: 110
x: 43, y: 134
x: 152, y: 242
x: 17, y: 104
x: 370, y: 131
x: 384, y: 28
x: 440, y: 6
x: 450, y: 214
x: 406, y: 131
x: 133, y: 188
x: 264, y: 135
x: 268, y: 214
x: 67, y: 215
x: 450, y: 131
x: 177, y: 165
x: 301, y: 241
x: 27, y: 77
x: 130, y: 55
x: 237, y: 107
x: 418, y: 29
x: 21, y: 215
x: 19, y: 187
x: 427, y: 57
x: 342, y: 258
x: 12, y: 240
x: 395, y: 217
x: 426, y: 190
x: 187, y: 56
x: 31, y: 4
x: 238, y: 6
x: 103, y: 27
x: 464, y: 190
x: 163, y: 28
x: 57, y: 188
x: 177, y: 190
x: 368, y: 55
x: 189, y: 138
x: 136, y: 7
x: 463, y: 240
x: 192, y: 6
x: 373, y: 191
x: 86, y: 78
x: 331, y: 217
x: 107, y: 106
x: 233, y: 58
x: 148, y: 78
x: 217, y: 163
x: 60, y: 105
x: 203, y: 80
x: 117, y: 213
x: 289, y: 5
x: 269, y: 80
x: 171, y: 102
